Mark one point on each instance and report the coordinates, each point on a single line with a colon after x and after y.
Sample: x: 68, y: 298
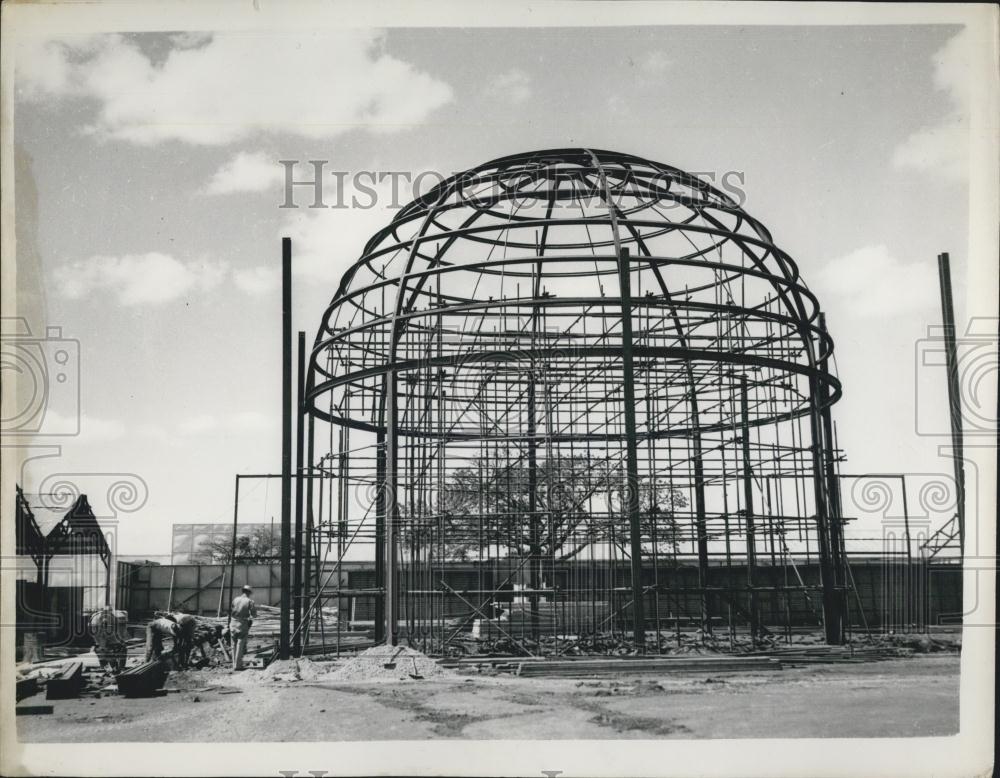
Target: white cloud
x: 257, y: 280
x: 240, y: 422
x: 871, y: 282
x: 246, y: 172
x: 42, y: 68
x: 190, y: 40
x: 198, y: 424
x: 236, y: 84
x: 92, y: 429
x: 154, y: 431
x: 155, y: 278
x: 137, y: 279
x: 655, y: 61
x: 250, y: 421
x: 512, y: 85
x: 942, y: 148
x: 45, y: 67
x: 326, y: 241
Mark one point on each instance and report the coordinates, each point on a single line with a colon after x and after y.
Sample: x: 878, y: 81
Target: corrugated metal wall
x: 890, y: 594
x: 195, y: 588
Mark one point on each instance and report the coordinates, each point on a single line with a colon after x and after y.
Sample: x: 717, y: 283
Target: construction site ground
x: 916, y: 696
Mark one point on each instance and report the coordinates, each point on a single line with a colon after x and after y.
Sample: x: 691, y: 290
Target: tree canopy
x: 262, y: 544
x: 577, y: 502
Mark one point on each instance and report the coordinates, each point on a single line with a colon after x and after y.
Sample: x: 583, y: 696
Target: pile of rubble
x: 292, y: 670
x: 387, y: 663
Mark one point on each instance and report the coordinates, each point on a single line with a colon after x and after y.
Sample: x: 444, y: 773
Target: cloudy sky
x: 155, y: 240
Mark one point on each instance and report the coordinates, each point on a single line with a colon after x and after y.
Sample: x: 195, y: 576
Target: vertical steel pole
x: 534, y: 530
x: 909, y: 579
x: 631, y: 453
x: 342, y: 441
x: 299, y: 465
x: 831, y: 621
x: 838, y: 551
x: 222, y: 592
x: 534, y: 526
x: 380, y: 502
x: 232, y: 554
x: 954, y: 397
x: 906, y: 520
x: 701, y: 524
x: 107, y: 582
x: 391, y: 508
x: 748, y: 506
x: 286, y: 445
x: 308, y: 560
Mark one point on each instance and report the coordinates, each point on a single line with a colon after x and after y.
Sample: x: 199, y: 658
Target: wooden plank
x: 33, y: 710
x: 145, y: 680
x: 610, y: 667
x: 26, y: 687
x: 67, y: 685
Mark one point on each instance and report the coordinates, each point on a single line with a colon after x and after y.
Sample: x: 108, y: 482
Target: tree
x: 263, y: 544
x: 658, y: 506
x: 577, y: 502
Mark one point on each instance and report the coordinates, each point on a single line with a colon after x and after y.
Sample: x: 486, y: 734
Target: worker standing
x: 243, y: 612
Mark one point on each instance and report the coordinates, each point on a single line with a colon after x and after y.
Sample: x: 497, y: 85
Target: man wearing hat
x: 242, y: 613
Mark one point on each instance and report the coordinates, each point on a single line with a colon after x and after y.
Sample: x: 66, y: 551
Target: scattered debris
x: 143, y: 681
x: 921, y: 643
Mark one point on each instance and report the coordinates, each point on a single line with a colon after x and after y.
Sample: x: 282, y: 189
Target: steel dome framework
x: 597, y: 381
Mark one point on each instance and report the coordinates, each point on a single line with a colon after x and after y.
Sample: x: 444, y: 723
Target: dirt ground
x: 917, y: 696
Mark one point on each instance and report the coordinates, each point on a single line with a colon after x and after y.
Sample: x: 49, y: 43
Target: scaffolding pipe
x: 391, y: 510
x: 838, y: 550
x: 954, y: 395
x: 297, y: 581
x: 631, y: 454
x: 748, y: 505
x: 284, y: 630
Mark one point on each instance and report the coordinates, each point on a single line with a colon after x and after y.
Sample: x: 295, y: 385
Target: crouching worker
x: 108, y: 628
x: 156, y: 631
x: 210, y: 635
x: 242, y: 614
x: 187, y: 624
